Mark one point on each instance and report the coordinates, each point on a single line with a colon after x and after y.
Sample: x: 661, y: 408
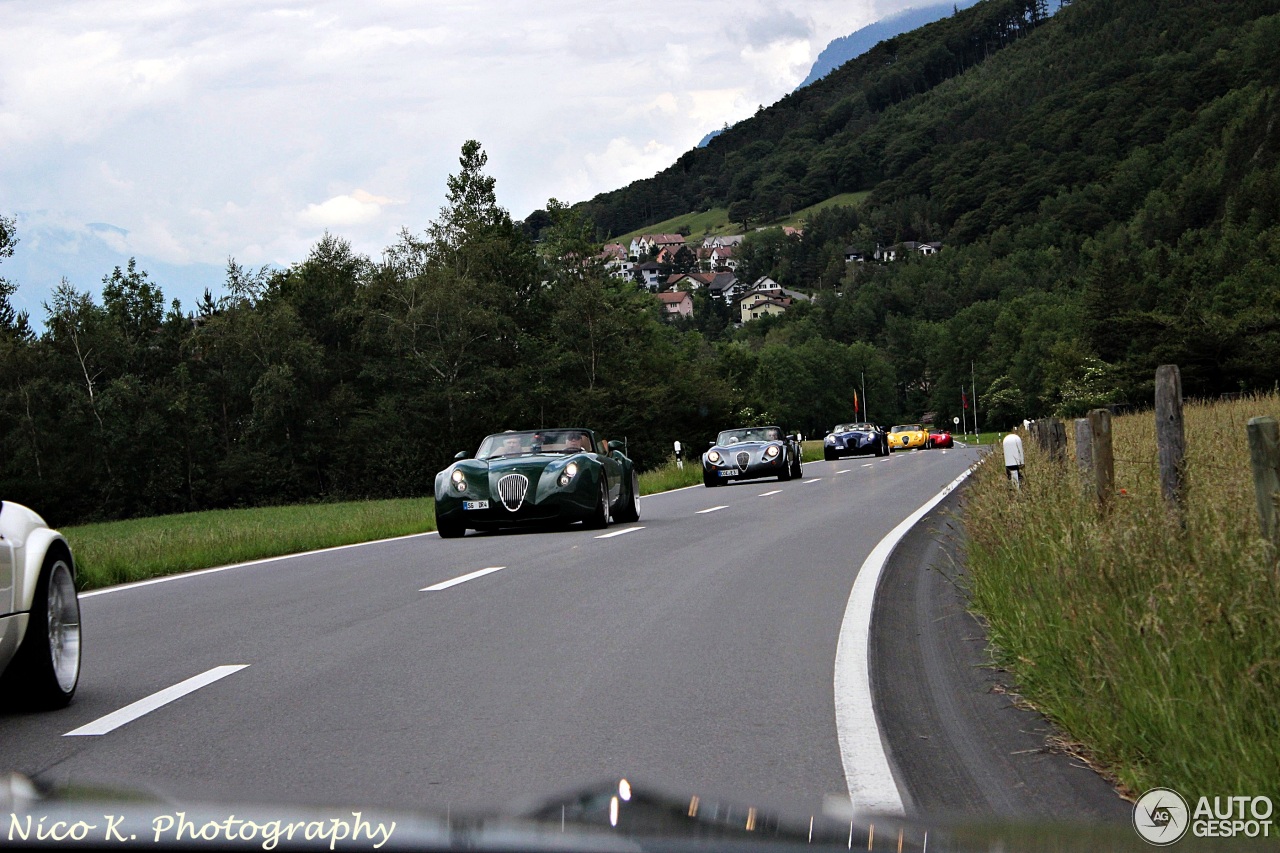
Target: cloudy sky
x: 185, y: 133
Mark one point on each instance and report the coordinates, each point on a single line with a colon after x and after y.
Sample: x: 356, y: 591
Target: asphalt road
x: 693, y: 649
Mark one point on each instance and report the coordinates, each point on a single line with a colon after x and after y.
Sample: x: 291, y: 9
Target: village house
x: 650, y: 274
x: 889, y: 254
x: 676, y: 304
x: 616, y: 260
x: 647, y: 244
x: 756, y: 304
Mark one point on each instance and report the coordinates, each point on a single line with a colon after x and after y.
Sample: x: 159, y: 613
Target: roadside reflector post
x: 1104, y: 468
x: 1264, y: 457
x: 679, y: 460
x: 1014, y: 460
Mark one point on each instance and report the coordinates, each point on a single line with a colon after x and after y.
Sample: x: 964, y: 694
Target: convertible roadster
x: 907, y: 436
x: 39, y: 611
x: 750, y: 452
x: 537, y: 477
x: 853, y: 439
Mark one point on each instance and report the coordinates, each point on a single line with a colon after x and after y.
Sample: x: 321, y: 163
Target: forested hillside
x: 1104, y: 182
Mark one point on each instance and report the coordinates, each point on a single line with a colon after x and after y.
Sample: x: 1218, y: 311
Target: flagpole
x: 964, y: 414
x: 866, y: 417
x: 973, y: 383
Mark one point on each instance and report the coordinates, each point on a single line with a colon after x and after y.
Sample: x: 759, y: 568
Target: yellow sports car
x: 908, y: 436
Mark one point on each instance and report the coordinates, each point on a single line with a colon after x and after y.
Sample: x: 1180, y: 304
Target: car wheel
x: 797, y: 470
x: 828, y: 456
x: 46, y: 668
x: 629, y: 508
x: 450, y: 528
x: 599, y: 518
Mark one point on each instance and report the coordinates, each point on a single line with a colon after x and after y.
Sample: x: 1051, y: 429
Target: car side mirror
x: 792, y: 438
x: 615, y: 445
x: 711, y: 444
x: 462, y: 454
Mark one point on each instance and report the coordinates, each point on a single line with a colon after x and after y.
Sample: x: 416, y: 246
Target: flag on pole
x: 855, y: 403
x: 964, y: 399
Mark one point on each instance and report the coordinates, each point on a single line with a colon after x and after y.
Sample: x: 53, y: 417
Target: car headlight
x: 459, y: 480
x: 570, y: 471
x: 831, y: 439
x: 713, y: 456
x: 771, y: 451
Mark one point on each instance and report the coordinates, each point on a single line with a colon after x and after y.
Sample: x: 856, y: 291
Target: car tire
x: 599, y: 518
x: 629, y: 506
x: 797, y: 470
x: 449, y: 528
x: 828, y: 456
x: 46, y: 669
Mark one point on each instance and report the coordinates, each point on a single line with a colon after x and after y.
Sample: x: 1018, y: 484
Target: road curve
x: 693, y: 649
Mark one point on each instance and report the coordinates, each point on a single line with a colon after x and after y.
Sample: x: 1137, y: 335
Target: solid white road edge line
x: 129, y: 713
x: 866, y: 763
x: 455, y: 581
x: 619, y: 532
x: 711, y: 509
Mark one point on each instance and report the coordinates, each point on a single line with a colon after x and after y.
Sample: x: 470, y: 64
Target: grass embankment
x: 1154, y: 643
x: 716, y: 222
x: 122, y: 551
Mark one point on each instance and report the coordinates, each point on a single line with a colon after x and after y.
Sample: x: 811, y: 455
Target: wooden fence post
x: 1051, y: 438
x: 1084, y: 451
x: 1104, y: 469
x: 1264, y: 456
x: 1171, y: 443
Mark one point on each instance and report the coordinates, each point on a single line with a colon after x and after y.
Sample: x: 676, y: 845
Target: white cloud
x: 206, y: 129
x: 354, y: 209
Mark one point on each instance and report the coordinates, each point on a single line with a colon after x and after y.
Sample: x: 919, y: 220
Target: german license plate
x: 726, y: 473
x: 475, y: 504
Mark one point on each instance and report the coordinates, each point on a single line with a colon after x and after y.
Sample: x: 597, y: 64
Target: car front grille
x: 512, y: 488
x: 743, y: 458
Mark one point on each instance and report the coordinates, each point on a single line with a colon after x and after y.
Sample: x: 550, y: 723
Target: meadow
x: 1150, y: 635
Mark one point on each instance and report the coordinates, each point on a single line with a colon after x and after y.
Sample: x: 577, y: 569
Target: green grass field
x: 1152, y: 639
x: 715, y: 222
x: 122, y: 551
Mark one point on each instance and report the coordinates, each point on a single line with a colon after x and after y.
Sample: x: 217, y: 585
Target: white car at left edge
x: 39, y: 611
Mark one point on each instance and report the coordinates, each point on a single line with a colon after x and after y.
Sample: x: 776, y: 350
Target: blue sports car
x: 855, y: 439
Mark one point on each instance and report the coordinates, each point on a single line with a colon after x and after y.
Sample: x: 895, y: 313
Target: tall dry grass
x: 1152, y: 637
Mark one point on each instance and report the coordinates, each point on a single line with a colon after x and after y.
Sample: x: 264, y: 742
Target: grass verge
x: 1152, y: 638
x: 122, y: 551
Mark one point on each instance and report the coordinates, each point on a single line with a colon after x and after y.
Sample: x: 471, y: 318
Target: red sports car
x: 941, y: 438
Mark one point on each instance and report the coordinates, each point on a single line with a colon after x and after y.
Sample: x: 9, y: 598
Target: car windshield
x: 536, y: 441
x: 737, y: 436
x: 906, y: 428
x: 854, y: 428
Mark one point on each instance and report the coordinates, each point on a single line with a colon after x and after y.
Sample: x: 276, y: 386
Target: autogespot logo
x: 1160, y: 816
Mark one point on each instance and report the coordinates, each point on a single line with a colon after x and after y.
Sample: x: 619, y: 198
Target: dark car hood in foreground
x: 612, y: 816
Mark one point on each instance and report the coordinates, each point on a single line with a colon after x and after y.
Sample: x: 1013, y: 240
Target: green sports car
x: 537, y: 477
